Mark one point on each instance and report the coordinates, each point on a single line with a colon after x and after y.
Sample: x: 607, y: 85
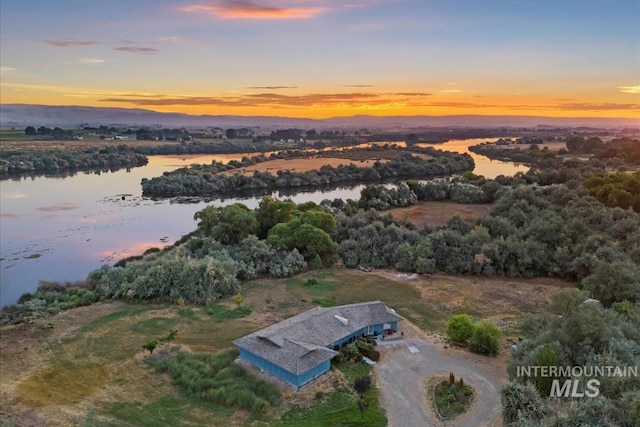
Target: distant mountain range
x: 49, y: 115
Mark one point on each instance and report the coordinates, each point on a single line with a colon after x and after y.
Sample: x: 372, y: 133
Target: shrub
x: 151, y: 345
x: 311, y: 282
x: 521, y: 402
x: 366, y: 348
x: 485, y: 339
x: 362, y: 384
x: 217, y: 379
x: 460, y: 328
x: 348, y: 352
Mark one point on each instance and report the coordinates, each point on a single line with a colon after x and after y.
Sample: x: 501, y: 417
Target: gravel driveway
x: 402, y: 374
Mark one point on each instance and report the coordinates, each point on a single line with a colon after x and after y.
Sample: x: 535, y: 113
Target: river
x: 61, y: 228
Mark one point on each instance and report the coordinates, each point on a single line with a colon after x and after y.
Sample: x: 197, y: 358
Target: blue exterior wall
x: 299, y: 380
x: 277, y: 371
x: 377, y: 329
x: 312, y: 373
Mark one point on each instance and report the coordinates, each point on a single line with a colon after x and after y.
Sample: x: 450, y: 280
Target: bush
x: 217, y: 379
x: 521, y: 402
x: 362, y: 384
x: 366, y: 348
x: 485, y: 339
x: 348, y: 352
x: 460, y: 328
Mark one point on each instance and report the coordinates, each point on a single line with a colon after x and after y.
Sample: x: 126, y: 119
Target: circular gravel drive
x: 402, y: 375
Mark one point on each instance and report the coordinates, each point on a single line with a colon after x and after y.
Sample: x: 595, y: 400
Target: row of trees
x: 531, y: 231
x: 16, y: 162
x: 202, y: 181
x: 53, y: 133
x: 624, y: 150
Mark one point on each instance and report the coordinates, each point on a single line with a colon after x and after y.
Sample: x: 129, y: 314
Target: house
x: 300, y: 348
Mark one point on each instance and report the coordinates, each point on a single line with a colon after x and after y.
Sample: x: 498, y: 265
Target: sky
x: 325, y: 58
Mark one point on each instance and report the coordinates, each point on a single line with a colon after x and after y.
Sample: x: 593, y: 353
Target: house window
x: 386, y: 326
x: 370, y: 330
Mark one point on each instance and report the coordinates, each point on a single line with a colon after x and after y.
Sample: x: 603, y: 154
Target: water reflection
x: 61, y: 228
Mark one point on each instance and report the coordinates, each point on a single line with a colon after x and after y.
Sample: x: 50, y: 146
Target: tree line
x: 204, y: 181
x: 114, y: 157
x: 533, y: 229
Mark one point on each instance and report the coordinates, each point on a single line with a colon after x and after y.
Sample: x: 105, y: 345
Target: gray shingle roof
x: 300, y: 343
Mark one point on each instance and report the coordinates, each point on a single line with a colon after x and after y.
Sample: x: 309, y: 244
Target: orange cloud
x: 564, y: 106
x: 357, y: 100
x: 271, y: 87
x: 240, y: 9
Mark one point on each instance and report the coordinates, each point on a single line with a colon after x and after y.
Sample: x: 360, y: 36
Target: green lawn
x: 340, y: 408
x: 14, y: 135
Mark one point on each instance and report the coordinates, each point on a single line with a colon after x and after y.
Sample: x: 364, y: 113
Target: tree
x: 615, y: 281
x: 228, y: 225
x: 566, y: 301
x: 485, y: 339
x: 460, y: 328
x: 30, y: 130
x: 272, y: 211
x: 307, y: 238
x: 405, y: 257
x: 544, y: 356
x: 320, y: 219
x: 574, y: 144
x: 362, y: 384
x: 231, y: 133
x: 151, y: 345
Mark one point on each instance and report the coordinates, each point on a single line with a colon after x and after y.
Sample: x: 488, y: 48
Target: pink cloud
x: 69, y: 43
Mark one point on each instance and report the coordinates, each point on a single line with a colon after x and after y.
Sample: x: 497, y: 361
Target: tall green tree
x: 272, y: 211
x: 228, y: 225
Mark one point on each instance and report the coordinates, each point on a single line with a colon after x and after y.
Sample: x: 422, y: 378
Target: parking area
x: 406, y: 366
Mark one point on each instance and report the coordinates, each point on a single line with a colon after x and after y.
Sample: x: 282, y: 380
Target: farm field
x: 89, y: 360
x: 16, y: 140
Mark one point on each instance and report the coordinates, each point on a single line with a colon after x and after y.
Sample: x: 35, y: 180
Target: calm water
x: 63, y: 228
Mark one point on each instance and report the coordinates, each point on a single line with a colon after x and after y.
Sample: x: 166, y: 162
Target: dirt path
x: 402, y: 377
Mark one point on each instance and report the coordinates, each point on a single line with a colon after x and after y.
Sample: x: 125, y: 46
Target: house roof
x: 301, y: 342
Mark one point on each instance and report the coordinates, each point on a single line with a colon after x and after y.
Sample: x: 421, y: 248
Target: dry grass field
x: 550, y: 145
x: 437, y: 214
x: 56, y: 371
x: 302, y: 164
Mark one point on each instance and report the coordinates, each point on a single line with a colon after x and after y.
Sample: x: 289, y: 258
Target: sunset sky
x: 324, y: 58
